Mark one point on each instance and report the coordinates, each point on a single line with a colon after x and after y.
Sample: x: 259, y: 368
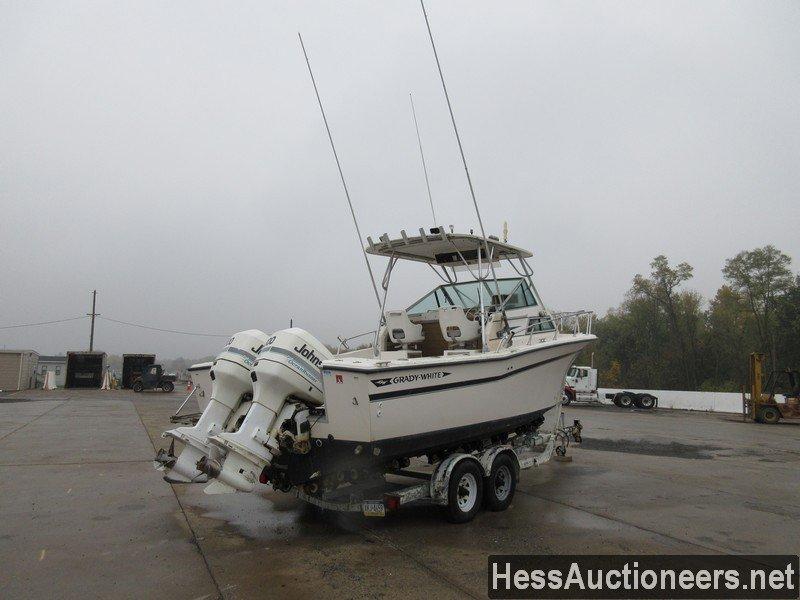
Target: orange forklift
x: 761, y: 405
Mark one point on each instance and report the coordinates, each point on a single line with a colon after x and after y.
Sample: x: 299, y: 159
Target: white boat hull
x: 408, y: 407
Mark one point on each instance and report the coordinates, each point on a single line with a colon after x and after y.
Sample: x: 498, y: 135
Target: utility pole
x: 92, y: 314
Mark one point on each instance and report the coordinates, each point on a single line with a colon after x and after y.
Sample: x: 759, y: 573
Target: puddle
x: 266, y: 516
x: 673, y: 449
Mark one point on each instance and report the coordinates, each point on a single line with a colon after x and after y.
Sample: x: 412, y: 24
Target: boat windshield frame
x: 454, y: 294
x: 463, y: 252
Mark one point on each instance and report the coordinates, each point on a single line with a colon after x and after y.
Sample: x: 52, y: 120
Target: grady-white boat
x: 476, y: 359
x: 467, y: 376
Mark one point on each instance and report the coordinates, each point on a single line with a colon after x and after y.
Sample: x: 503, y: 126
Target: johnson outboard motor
x: 231, y: 384
x: 287, y: 373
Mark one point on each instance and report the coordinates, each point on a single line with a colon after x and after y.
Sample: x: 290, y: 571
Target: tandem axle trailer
x: 461, y: 483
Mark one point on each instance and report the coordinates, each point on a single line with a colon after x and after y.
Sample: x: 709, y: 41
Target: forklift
x: 152, y: 378
x: 762, y: 406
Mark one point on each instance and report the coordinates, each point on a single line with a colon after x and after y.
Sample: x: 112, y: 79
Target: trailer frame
x: 377, y: 497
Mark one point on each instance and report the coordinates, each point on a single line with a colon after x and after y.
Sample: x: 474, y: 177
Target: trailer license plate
x: 373, y: 508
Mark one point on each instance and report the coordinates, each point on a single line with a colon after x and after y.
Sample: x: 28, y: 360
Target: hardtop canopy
x: 446, y: 249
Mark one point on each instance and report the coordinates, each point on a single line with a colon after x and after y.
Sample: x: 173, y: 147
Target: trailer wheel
x: 770, y: 415
x: 500, y: 485
x: 464, y: 492
x: 646, y: 401
x: 624, y: 400
x: 137, y: 386
x: 168, y: 386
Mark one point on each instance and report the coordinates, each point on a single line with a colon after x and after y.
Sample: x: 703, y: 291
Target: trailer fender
x: 487, y: 458
x: 440, y: 481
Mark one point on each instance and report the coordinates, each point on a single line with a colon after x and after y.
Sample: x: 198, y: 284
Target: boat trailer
x: 461, y: 483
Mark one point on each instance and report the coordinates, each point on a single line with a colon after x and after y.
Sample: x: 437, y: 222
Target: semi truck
x: 580, y: 385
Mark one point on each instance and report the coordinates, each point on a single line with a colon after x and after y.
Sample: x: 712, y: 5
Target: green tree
x: 787, y: 318
x: 729, y: 337
x: 611, y: 377
x: 662, y: 288
x: 761, y: 276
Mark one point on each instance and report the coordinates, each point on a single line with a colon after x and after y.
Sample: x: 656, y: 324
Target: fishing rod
x: 341, y: 174
x: 422, y: 155
x: 461, y: 150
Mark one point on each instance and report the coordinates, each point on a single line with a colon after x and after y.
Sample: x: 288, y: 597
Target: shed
x: 18, y: 369
x: 85, y: 369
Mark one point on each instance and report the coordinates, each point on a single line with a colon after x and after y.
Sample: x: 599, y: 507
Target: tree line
x: 665, y: 335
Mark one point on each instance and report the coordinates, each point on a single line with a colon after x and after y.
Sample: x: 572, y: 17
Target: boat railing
x: 343, y: 342
x: 563, y: 323
x: 576, y: 322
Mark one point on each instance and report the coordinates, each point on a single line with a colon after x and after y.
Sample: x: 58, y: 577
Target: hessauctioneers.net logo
x: 650, y: 576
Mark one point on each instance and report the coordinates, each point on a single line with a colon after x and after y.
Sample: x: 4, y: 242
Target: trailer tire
x: 137, y: 386
x: 646, y: 401
x: 168, y: 386
x: 624, y: 401
x: 770, y: 415
x: 464, y: 492
x: 500, y: 485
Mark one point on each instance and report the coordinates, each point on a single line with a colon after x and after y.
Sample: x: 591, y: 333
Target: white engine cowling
x: 289, y: 365
x: 230, y: 382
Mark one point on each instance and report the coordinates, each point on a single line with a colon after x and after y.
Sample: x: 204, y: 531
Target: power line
x: 140, y: 326
x: 42, y: 323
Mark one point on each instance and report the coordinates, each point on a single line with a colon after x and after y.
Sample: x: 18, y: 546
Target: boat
x: 476, y: 363
x: 477, y: 358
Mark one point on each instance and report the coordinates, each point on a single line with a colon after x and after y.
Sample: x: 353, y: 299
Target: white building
x: 56, y: 364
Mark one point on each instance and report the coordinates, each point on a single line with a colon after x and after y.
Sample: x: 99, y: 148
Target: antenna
x: 460, y: 147
x: 455, y: 128
x: 422, y: 155
x: 341, y: 174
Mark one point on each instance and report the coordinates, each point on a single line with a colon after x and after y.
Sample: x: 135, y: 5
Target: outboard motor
x: 231, y: 382
x: 289, y: 366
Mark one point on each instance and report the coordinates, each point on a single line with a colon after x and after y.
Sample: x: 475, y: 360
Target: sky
x: 172, y: 156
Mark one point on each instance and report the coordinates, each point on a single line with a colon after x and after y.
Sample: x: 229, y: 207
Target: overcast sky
x: 172, y: 155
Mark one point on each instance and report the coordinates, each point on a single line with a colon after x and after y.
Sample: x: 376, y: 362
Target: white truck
x: 580, y: 385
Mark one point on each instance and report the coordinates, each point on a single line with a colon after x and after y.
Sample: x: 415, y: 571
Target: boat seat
x: 401, y: 330
x: 455, y: 325
x: 495, y: 328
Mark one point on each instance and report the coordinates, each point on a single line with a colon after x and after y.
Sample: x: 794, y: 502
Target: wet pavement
x: 83, y: 513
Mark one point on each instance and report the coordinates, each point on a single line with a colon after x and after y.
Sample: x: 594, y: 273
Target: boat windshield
x: 466, y: 295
